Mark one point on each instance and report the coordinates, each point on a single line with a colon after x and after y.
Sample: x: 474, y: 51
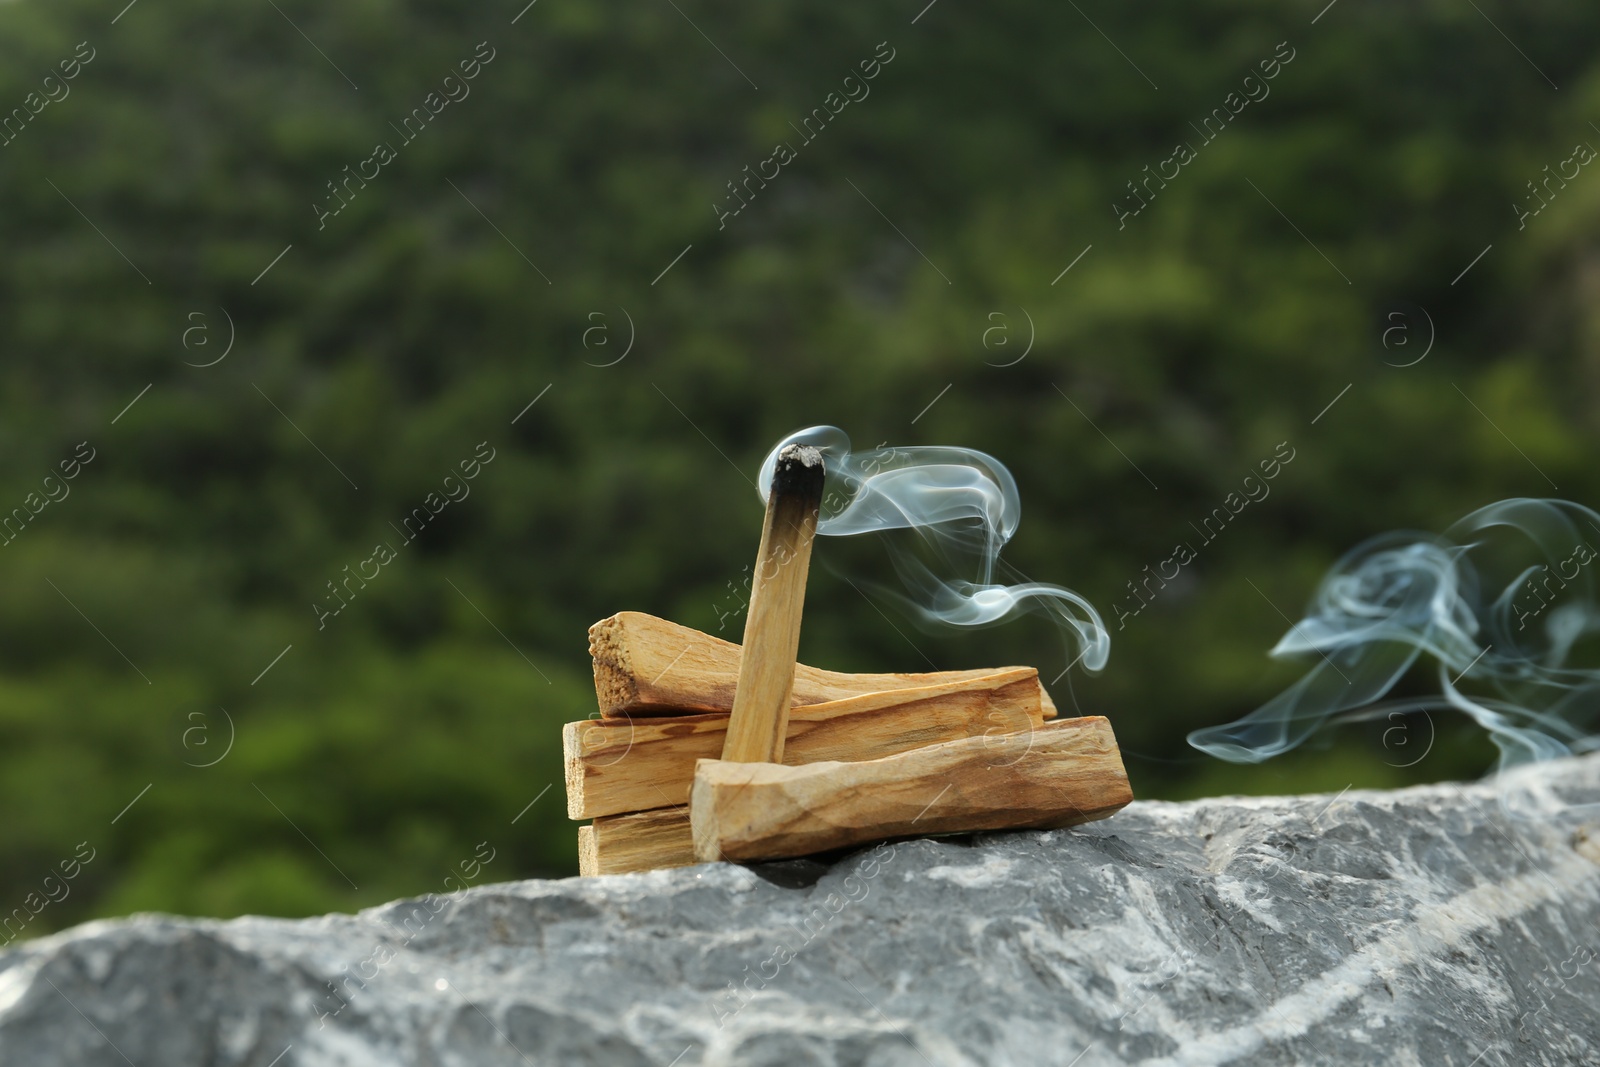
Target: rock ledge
x: 1422, y: 926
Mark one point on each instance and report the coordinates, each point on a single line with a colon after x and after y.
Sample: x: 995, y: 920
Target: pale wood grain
x: 641, y: 841
x: 622, y: 765
x: 1066, y: 772
x: 644, y: 665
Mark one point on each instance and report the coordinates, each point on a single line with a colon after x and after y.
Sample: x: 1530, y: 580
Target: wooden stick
x: 615, y: 766
x: 644, y: 665
x: 643, y: 841
x: 758, y: 724
x: 1067, y: 772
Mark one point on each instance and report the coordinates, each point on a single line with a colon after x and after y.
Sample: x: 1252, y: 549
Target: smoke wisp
x: 1500, y: 602
x: 964, y: 503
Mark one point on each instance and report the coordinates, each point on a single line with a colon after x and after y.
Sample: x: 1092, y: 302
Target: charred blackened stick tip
x: 799, y: 472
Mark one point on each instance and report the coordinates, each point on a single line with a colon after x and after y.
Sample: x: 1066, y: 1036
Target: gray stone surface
x: 1420, y: 927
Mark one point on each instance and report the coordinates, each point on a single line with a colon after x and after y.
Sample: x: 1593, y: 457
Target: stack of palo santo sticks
x: 705, y: 750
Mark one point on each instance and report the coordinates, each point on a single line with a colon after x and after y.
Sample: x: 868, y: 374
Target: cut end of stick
x: 588, y: 854
x: 616, y: 681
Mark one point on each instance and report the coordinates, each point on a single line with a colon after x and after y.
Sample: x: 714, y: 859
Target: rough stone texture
x: 1420, y: 927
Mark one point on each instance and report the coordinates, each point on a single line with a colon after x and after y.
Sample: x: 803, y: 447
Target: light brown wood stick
x: 758, y: 725
x: 643, y: 841
x: 1067, y: 772
x: 622, y: 765
x: 644, y: 665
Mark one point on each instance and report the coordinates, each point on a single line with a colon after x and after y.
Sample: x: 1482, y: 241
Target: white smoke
x: 963, y: 502
x: 1501, y: 645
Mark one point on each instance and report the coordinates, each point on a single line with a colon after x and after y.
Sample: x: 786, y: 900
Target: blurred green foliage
x: 370, y: 760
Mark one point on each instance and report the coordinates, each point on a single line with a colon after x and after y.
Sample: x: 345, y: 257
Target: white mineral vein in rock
x: 1432, y: 932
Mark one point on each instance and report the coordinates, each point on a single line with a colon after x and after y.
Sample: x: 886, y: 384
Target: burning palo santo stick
x: 759, y: 721
x: 647, y: 666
